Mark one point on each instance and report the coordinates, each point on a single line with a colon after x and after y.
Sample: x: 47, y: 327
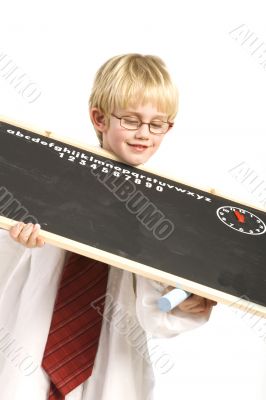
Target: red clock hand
x: 240, y: 217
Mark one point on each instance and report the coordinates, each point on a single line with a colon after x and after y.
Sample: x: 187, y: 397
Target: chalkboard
x: 87, y: 201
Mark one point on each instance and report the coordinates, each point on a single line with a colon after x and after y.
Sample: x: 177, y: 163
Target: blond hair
x: 133, y: 79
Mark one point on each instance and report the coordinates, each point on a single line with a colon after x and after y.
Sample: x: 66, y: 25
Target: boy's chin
x: 135, y: 160
x: 130, y: 157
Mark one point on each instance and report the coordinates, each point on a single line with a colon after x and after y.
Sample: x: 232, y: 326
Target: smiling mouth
x: 138, y: 146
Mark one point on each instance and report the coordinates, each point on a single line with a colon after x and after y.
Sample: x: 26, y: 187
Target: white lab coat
x: 123, y: 368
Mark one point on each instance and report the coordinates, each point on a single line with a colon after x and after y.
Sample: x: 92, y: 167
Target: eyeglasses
x: 133, y: 123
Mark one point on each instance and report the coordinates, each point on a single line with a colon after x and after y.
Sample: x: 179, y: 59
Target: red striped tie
x: 75, y: 328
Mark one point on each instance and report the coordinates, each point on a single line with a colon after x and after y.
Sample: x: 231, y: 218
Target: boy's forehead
x: 142, y: 110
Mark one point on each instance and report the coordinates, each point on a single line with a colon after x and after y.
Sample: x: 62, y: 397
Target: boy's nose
x: 143, y: 131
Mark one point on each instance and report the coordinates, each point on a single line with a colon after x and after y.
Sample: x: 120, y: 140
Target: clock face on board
x: 241, y: 220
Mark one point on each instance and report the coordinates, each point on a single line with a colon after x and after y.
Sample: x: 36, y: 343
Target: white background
x: 221, y: 123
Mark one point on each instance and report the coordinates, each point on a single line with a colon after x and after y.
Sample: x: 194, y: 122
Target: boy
x: 132, y: 106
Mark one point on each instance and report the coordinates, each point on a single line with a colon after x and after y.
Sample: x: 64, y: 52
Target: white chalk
x: 172, y: 299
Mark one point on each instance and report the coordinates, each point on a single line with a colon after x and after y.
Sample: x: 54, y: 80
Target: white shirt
x: 123, y: 368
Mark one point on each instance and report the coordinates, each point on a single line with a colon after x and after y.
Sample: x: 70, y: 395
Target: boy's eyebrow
x: 140, y: 116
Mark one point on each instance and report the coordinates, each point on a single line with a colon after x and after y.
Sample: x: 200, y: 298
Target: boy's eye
x: 157, y: 124
x: 131, y: 121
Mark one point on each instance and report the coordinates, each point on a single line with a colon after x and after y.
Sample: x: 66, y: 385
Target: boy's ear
x: 98, y: 119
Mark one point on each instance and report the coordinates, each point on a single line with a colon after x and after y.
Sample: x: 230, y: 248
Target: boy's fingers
x: 203, y: 308
x: 16, y: 230
x: 191, y: 308
x: 25, y: 233
x: 34, y: 240
x: 197, y: 308
x: 40, y: 242
x: 31, y: 241
x: 212, y: 303
x: 193, y: 301
x: 196, y: 304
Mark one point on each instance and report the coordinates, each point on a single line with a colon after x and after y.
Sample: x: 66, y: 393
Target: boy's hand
x: 27, y: 235
x: 194, y: 304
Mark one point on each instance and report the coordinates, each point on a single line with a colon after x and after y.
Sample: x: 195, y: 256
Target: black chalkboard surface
x: 88, y: 202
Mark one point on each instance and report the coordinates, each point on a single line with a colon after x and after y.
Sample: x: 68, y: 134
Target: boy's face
x: 133, y: 147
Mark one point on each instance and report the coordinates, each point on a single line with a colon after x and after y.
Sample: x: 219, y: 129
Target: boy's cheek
x: 157, y: 144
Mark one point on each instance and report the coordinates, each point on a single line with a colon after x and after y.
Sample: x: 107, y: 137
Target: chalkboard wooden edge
x: 145, y: 270
x: 104, y: 153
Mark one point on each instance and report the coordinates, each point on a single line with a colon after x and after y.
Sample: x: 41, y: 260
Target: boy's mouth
x: 138, y: 147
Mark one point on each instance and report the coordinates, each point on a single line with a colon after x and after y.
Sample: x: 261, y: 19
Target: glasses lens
x: 130, y: 123
x: 158, y: 127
